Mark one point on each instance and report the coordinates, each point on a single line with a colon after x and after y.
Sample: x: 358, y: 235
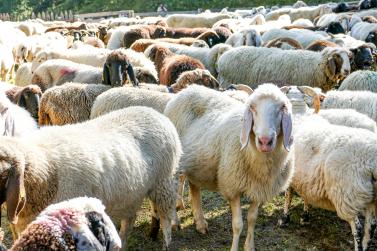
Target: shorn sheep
x: 53, y: 163
x: 256, y: 65
x: 337, y: 173
x: 235, y: 163
x: 68, y: 104
x: 79, y: 224
x: 360, y: 81
x: 59, y: 71
x: 170, y: 65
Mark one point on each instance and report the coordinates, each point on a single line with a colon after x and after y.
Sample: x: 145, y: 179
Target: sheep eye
x: 283, y: 107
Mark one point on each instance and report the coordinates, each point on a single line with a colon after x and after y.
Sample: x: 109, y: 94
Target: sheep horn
x: 317, y: 96
x: 241, y: 87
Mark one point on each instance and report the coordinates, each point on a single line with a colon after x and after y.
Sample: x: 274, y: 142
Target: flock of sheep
x: 111, y: 113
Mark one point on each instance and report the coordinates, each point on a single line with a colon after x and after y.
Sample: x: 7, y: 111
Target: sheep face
x: 337, y: 64
x: 267, y: 114
x: 335, y: 28
x: 12, y: 190
x: 372, y: 38
x: 30, y: 100
x: 362, y: 57
x: 116, y: 69
x: 144, y: 76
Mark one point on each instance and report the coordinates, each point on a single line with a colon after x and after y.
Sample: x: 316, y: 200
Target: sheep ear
x: 331, y: 67
x: 131, y: 74
x: 15, y: 190
x: 22, y: 99
x: 246, y: 127
x: 286, y: 124
x: 106, y: 75
x: 9, y: 124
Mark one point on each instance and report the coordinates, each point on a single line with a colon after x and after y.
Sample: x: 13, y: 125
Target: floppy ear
x: 22, y: 99
x: 331, y: 67
x: 9, y: 124
x: 106, y: 75
x: 246, y: 127
x: 15, y: 189
x: 286, y: 124
x: 131, y: 74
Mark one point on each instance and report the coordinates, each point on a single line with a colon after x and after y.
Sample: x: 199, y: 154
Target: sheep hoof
x: 283, y: 222
x: 304, y: 220
x: 155, y: 227
x: 202, y: 227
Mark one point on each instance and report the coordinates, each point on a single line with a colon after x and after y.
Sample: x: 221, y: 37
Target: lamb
x: 52, y: 165
x: 23, y: 75
x: 337, y: 173
x: 248, y: 37
x: 27, y: 97
x: 59, y: 71
x: 362, y: 101
x: 95, y: 57
x: 195, y: 21
x: 256, y: 65
x: 14, y: 120
x: 170, y: 65
x: 208, y: 57
x: 234, y: 163
x: 79, y: 223
x: 360, y: 81
x: 68, y: 104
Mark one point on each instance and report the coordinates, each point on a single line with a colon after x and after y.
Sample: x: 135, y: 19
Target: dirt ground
x: 326, y: 232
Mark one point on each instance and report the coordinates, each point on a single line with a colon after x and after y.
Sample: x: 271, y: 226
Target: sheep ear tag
x: 246, y: 127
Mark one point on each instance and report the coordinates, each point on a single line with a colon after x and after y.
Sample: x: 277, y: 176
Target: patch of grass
x: 326, y: 232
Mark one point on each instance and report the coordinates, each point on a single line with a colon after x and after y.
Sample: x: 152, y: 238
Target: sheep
x: 365, y: 31
x: 326, y: 19
x: 52, y: 165
x: 27, y: 97
x: 59, y: 71
x: 170, y: 65
x: 304, y: 12
x: 79, y: 223
x: 115, y: 37
x: 68, y: 104
x: 31, y: 28
x: 257, y: 65
x: 194, y: 21
x: 235, y: 24
x: 341, y: 7
x: 284, y: 43
x: 142, y: 31
x: 94, y: 57
x: 299, y: 4
x: 248, y: 37
x: 337, y: 173
x: 208, y: 57
x: 14, y: 120
x: 234, y: 164
x: 23, y: 75
x: 94, y: 41
x: 303, y: 22
x: 118, y: 68
x: 6, y: 62
x: 362, y: 101
x: 360, y: 81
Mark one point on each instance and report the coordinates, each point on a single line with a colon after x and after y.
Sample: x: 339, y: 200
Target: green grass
x: 326, y: 232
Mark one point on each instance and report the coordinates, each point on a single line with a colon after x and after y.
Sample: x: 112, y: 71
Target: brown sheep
x: 278, y: 42
x: 319, y: 45
x: 197, y: 76
x: 143, y: 31
x: 369, y: 19
x: 169, y: 65
x: 27, y: 97
x: 142, y: 44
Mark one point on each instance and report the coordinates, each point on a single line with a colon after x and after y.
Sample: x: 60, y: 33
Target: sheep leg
x: 237, y: 224
x: 14, y: 231
x: 283, y: 222
x: 155, y: 225
x: 181, y: 189
x: 201, y: 223
x: 357, y: 232
x: 369, y: 240
x: 126, y: 226
x: 305, y: 216
x: 166, y: 229
x: 252, y: 215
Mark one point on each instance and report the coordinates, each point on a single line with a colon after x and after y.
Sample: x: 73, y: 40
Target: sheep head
x: 197, y: 76
x: 372, y: 37
x: 267, y: 116
x: 116, y: 69
x: 29, y: 98
x: 12, y: 189
x: 337, y: 66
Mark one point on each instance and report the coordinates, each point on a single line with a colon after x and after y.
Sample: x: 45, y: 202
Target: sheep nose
x: 265, y: 143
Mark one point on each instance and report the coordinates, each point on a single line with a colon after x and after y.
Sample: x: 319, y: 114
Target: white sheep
x: 62, y: 162
x: 81, y: 223
x: 342, y: 18
x: 59, y: 71
x: 234, y: 163
x: 360, y: 81
x: 256, y: 65
x: 23, y: 75
x: 303, y: 22
x: 195, y: 21
x: 116, y: 38
x: 336, y: 172
x: 362, y: 101
x: 310, y: 13
x: 248, y: 37
x: 363, y: 30
x: 14, y: 120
